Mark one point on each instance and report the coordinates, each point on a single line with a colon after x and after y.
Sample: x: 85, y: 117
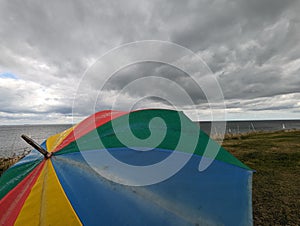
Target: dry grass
x: 276, y: 184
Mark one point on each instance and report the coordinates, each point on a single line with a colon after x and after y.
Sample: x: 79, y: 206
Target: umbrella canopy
x: 80, y: 185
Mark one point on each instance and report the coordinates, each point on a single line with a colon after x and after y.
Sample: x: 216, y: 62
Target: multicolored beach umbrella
x: 98, y: 173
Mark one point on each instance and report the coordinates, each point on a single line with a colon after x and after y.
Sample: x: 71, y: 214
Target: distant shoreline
x: 201, y: 121
x: 251, y: 133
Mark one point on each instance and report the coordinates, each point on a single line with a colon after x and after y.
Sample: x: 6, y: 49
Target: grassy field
x: 276, y: 184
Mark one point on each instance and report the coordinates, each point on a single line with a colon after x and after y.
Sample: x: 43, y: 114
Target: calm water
x: 11, y: 142
x: 10, y: 137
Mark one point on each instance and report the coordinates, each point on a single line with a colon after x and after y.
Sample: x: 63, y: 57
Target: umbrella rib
x: 37, y: 146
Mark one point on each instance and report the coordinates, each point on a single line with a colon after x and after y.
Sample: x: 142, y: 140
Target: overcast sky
x: 252, y: 48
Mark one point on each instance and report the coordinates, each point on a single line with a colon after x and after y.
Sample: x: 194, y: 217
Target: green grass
x: 276, y: 184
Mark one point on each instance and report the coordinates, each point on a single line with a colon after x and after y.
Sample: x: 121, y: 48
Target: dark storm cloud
x: 252, y: 47
x: 225, y: 21
x: 147, y: 69
x: 252, y: 82
x: 247, y: 43
x: 65, y: 35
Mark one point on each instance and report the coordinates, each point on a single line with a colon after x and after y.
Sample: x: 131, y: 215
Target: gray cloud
x: 133, y: 72
x: 252, y: 47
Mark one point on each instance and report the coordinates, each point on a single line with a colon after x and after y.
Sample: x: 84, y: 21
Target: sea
x: 11, y: 143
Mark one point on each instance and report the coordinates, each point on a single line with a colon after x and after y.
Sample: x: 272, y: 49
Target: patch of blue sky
x: 8, y: 75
